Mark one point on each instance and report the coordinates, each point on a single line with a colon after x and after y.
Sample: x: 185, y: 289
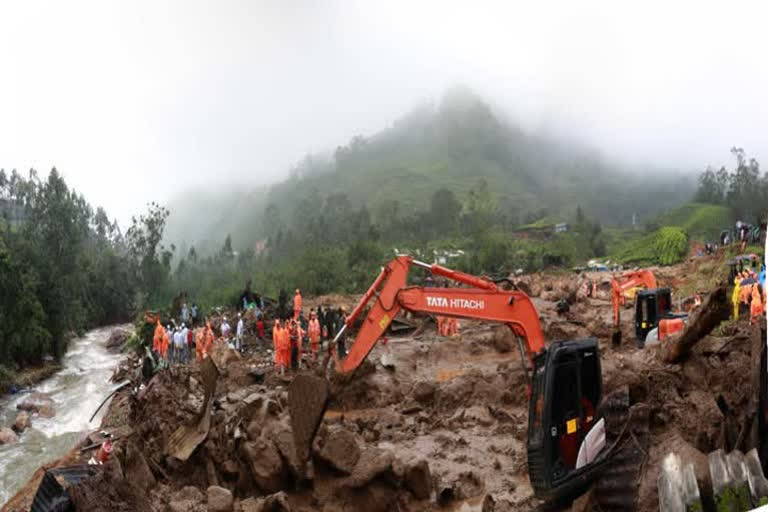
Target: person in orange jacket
x: 756, y: 306
x: 284, y: 347
x: 157, y: 339
x: 313, y: 330
x: 205, y: 339
x: 296, y: 304
x: 453, y: 327
x: 276, y: 341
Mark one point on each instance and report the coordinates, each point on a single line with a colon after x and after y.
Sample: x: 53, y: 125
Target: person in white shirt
x: 239, y: 333
x: 225, y: 329
x: 183, y: 347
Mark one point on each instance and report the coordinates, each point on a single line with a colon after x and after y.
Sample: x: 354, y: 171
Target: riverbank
x: 72, y: 394
x: 26, y: 378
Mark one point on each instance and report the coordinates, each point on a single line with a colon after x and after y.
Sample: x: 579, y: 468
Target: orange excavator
x: 653, y: 306
x: 566, y: 436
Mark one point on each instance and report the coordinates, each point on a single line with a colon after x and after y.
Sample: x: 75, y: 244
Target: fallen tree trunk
x: 713, y: 310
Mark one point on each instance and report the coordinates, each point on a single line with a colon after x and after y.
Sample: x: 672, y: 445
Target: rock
x: 34, y: 401
x: 219, y: 499
x: 266, y: 465
x: 277, y: 502
x: 116, y: 340
x: 8, y: 436
x: 423, y: 392
x: 188, y: 499
x: 283, y: 440
x: 418, y: 479
x: 411, y: 407
x: 372, y: 463
x: 340, y: 450
x: 22, y: 422
x: 46, y: 411
x: 479, y: 414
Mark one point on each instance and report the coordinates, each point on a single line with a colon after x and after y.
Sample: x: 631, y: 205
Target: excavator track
x: 616, y: 490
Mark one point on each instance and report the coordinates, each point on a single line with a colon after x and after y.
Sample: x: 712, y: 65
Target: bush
x: 665, y: 246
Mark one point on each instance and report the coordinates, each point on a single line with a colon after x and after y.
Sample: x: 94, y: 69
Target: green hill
x: 454, y: 144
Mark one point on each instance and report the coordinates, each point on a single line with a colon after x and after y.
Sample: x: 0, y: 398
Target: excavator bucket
x: 616, y: 338
x: 307, y: 401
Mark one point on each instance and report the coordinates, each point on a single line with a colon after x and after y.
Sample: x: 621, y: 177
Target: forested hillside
x: 460, y: 144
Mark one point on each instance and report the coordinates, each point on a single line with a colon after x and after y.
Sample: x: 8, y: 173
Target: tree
x: 444, y: 210
x: 151, y: 260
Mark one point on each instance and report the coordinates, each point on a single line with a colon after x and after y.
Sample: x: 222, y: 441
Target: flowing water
x: 77, y: 390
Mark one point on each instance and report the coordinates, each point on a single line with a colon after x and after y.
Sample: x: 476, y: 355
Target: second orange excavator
x: 566, y: 435
x: 653, y: 306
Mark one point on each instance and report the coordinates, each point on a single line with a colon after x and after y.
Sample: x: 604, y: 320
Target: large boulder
x: 220, y: 499
x: 116, y: 340
x: 372, y: 463
x: 267, y: 467
x: 34, y: 402
x: 22, y: 422
x: 8, y: 436
x: 340, y: 450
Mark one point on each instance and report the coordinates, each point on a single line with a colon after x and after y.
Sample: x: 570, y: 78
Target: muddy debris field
x: 441, y: 427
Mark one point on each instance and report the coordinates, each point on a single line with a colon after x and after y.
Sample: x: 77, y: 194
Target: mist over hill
x: 457, y: 143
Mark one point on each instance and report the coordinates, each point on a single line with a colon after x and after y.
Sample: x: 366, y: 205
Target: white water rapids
x: 77, y: 390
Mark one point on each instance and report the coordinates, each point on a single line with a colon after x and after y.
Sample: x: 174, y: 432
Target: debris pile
x: 443, y: 424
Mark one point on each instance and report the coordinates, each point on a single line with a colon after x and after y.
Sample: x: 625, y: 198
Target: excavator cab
x: 566, y: 439
x: 651, y: 307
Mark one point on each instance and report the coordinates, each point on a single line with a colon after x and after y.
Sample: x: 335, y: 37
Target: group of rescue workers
x: 174, y: 343
x: 749, y: 294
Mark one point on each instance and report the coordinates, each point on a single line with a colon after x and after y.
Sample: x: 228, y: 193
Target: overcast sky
x: 136, y: 100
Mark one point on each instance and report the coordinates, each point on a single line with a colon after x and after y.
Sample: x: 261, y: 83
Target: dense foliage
x: 665, y: 246
x: 744, y: 189
x: 64, y: 267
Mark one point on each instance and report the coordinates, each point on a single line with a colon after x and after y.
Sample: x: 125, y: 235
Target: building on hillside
x: 542, y: 229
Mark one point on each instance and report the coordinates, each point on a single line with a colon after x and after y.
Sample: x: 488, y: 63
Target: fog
x: 137, y: 101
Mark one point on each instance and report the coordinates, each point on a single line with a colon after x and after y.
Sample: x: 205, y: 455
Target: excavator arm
x: 566, y: 438
x: 484, y: 301
x: 619, y: 286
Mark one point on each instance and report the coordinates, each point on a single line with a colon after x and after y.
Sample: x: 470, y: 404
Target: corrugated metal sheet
x: 52, y: 495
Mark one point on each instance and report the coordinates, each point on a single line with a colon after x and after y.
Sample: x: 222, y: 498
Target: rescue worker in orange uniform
x: 276, y: 341
x: 756, y: 306
x: 313, y: 329
x: 453, y: 327
x: 284, y: 347
x: 157, y: 339
x: 205, y: 339
x: 440, y: 325
x: 296, y: 304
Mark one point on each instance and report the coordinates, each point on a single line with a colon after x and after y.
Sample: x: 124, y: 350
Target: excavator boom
x: 485, y: 301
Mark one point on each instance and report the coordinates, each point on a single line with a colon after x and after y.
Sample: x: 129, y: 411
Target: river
x: 76, y: 390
